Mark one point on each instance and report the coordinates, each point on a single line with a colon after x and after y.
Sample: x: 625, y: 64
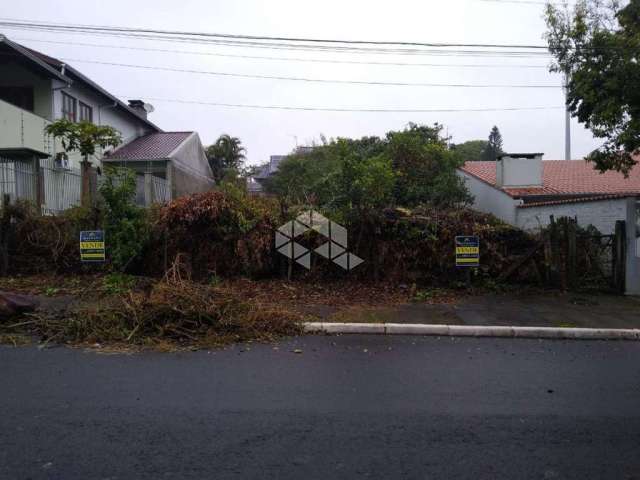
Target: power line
x: 298, y: 47
x: 343, y: 110
x: 311, y: 80
x: 243, y: 39
x: 184, y: 33
x: 342, y: 50
x: 285, y: 59
x: 271, y: 41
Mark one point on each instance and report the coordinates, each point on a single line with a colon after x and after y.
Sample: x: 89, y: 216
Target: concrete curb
x: 474, y: 331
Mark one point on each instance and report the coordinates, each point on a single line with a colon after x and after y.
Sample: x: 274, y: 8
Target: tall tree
x: 494, y: 145
x: 225, y: 156
x: 471, y: 150
x: 350, y: 177
x: 596, y: 46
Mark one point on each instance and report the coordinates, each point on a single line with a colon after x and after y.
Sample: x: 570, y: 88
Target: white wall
x: 519, y: 172
x: 632, y: 270
x: 601, y: 214
x: 103, y: 113
x: 489, y: 199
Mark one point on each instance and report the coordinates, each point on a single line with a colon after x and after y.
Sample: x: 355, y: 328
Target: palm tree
x: 226, y: 155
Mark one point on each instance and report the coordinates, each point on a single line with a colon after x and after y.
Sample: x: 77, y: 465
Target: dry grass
x: 172, y: 313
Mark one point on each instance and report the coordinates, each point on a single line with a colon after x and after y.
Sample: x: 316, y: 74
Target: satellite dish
x: 149, y: 108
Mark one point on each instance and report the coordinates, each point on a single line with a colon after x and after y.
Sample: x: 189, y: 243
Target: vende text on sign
x: 467, y: 251
x: 92, y: 246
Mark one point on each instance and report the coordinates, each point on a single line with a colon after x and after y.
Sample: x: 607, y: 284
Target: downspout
x: 55, y: 89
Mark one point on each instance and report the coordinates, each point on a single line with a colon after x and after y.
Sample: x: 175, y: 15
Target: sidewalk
x: 548, y: 310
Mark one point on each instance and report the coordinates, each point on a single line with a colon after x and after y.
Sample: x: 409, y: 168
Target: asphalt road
x: 346, y: 407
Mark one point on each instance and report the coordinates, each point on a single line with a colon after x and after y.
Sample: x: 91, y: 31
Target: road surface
x: 346, y: 407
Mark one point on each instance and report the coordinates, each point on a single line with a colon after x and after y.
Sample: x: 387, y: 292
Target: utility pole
x: 567, y: 121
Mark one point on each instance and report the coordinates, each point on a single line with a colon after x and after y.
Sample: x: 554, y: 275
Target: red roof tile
x: 564, y: 177
x: 155, y: 146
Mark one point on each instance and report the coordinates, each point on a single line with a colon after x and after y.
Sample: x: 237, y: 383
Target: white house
x: 525, y: 191
x: 36, y: 89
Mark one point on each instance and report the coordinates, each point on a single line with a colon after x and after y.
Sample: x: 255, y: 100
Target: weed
x: 117, y: 283
x: 426, y: 295
x: 51, y: 291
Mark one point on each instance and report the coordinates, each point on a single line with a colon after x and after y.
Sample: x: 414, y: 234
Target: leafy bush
x: 126, y: 225
x: 350, y: 178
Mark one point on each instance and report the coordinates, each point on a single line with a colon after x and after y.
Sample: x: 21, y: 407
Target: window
x: 69, y: 106
x: 86, y: 113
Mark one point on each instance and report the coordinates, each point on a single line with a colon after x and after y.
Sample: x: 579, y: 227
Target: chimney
x: 139, y: 107
x: 519, y: 170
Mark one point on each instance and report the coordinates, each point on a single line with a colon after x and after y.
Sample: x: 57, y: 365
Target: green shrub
x: 126, y: 225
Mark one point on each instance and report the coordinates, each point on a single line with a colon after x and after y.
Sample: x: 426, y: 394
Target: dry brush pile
x: 419, y: 245
x: 225, y: 234
x: 173, y: 311
x: 216, y: 234
x: 49, y: 243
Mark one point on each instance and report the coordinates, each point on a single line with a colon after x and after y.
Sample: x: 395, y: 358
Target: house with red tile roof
x: 525, y: 191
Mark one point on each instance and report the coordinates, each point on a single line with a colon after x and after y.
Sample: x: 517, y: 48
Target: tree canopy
x: 225, y: 156
x: 471, y: 150
x: 355, y: 177
x: 596, y: 46
x: 493, y: 147
x: 83, y: 137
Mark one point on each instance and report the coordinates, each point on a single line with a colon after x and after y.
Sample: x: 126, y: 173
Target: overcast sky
x: 268, y: 132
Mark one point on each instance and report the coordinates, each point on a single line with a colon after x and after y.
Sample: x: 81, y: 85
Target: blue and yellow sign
x: 92, y: 246
x: 467, y: 251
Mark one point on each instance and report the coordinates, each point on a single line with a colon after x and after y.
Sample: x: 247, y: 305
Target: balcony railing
x: 20, y: 128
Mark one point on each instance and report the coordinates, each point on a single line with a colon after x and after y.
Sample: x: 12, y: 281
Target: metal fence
x: 149, y: 189
x: 140, y: 200
x: 160, y: 190
x: 62, y: 187
x: 17, y: 179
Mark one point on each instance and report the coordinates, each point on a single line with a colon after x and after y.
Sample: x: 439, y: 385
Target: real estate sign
x: 467, y: 251
x: 92, y: 247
